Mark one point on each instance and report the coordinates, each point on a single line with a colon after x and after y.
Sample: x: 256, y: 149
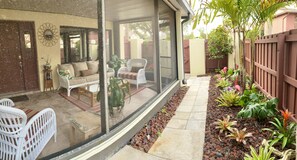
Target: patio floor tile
x: 166, y: 145
x: 177, y: 123
x: 181, y: 115
x: 130, y: 153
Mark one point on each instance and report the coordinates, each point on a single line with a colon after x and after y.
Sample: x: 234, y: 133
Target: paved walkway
x: 183, y: 137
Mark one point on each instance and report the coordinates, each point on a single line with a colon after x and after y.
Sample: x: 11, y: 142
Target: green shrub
x: 260, y: 111
x: 251, y: 96
x: 219, y: 43
x: 264, y: 154
x: 228, y: 99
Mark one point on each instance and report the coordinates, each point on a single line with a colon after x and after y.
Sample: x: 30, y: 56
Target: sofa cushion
x: 128, y: 75
x: 79, y: 66
x: 77, y: 80
x: 135, y: 69
x: 93, y: 66
x: 67, y: 67
x: 92, y: 78
x: 84, y: 73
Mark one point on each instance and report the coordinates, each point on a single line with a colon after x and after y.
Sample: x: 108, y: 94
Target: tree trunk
x: 253, y: 51
x: 243, y: 61
x: 234, y: 48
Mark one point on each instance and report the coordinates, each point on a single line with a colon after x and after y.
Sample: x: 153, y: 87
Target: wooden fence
x: 275, y: 67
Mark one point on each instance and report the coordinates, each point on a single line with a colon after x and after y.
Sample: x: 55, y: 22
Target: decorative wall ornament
x: 48, y: 34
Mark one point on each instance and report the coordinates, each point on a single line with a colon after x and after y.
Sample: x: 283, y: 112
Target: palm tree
x: 244, y: 15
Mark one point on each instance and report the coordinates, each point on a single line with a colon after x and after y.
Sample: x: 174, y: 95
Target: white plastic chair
x: 134, y: 77
x: 21, y: 140
x: 6, y: 102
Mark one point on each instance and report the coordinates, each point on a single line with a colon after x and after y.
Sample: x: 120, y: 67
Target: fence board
x: 275, y: 71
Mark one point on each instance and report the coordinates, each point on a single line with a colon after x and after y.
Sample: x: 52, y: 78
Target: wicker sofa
x: 79, y: 74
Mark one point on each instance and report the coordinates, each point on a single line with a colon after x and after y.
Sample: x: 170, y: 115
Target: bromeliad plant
x: 239, y: 135
x: 259, y: 111
x: 264, y: 154
x: 223, y: 83
x: 284, y: 133
x: 117, y: 89
x: 225, y: 124
x: 228, y: 98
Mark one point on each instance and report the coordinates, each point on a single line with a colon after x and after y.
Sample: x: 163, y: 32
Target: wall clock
x: 48, y: 34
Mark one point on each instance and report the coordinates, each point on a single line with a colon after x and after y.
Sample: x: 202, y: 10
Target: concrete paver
x: 183, y: 137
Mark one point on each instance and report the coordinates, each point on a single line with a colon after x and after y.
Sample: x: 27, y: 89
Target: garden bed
x: 146, y: 137
x: 216, y: 145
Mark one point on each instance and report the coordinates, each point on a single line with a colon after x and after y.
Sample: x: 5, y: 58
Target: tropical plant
x: 243, y: 15
x: 228, y: 99
x: 264, y: 154
x: 225, y: 124
x: 117, y: 90
x: 115, y: 63
x: 239, y: 135
x: 260, y: 111
x: 222, y: 83
x: 284, y: 133
x: 219, y: 43
x: 251, y: 96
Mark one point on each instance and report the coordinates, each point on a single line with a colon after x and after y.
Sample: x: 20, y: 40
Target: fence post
x: 280, y: 68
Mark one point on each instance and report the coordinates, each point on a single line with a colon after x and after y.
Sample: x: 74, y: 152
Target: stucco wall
x: 56, y: 19
x: 197, y: 56
x: 280, y: 24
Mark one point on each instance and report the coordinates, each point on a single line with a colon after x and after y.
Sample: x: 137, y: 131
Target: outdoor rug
x: 19, y: 98
x: 85, y: 104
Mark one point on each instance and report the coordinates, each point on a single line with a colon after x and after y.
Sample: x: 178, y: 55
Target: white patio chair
x: 6, y: 102
x: 134, y: 72
x: 20, y: 140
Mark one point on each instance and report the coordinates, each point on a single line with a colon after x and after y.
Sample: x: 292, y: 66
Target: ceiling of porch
x: 116, y: 10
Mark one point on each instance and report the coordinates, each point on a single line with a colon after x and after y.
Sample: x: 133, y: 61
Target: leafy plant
x: 239, y: 135
x: 222, y: 83
x: 115, y: 63
x: 219, y: 43
x: 117, y: 91
x: 251, y: 96
x: 260, y: 111
x: 284, y: 133
x: 264, y: 154
x: 225, y: 124
x: 228, y: 99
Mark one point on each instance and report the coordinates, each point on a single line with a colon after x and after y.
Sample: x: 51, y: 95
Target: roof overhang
x: 116, y: 10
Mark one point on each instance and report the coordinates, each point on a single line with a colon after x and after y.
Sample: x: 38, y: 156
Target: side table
x: 48, y: 80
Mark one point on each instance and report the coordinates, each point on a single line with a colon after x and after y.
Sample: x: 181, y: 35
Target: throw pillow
x: 93, y: 66
x: 86, y: 72
x: 65, y: 73
x: 79, y: 66
x: 68, y: 67
x: 135, y: 69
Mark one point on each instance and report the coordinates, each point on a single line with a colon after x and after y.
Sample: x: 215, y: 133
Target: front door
x: 18, y: 67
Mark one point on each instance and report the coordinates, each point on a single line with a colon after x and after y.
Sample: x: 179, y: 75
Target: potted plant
x: 115, y: 63
x: 117, y: 90
x: 47, y: 65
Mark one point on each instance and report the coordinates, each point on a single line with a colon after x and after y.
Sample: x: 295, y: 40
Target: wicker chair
x: 22, y: 140
x: 134, y: 72
x: 6, y: 102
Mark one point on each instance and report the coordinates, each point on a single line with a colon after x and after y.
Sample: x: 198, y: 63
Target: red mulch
x: 223, y: 148
x: 146, y: 137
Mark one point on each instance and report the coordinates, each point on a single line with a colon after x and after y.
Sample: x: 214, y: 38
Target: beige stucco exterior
x: 281, y: 23
x: 58, y: 20
x: 197, y: 56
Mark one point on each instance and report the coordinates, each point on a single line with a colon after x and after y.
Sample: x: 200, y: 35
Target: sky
x: 207, y: 28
